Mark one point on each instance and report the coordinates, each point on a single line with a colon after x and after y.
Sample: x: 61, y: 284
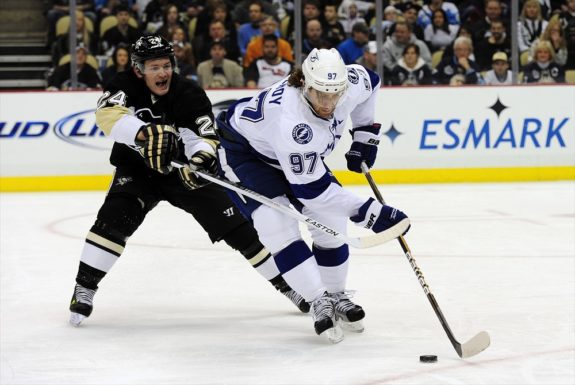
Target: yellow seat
x: 524, y: 59
x: 90, y: 60
x: 63, y: 25
x: 284, y: 24
x: 570, y: 76
x: 111, y: 21
x: 192, y: 28
x: 436, y: 58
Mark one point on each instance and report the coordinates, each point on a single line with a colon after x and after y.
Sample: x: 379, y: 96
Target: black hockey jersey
x: 127, y: 103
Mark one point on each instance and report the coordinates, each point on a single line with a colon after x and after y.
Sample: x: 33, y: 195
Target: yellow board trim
x: 447, y: 175
x: 55, y: 183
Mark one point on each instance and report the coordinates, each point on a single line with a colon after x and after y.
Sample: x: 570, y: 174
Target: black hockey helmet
x: 151, y: 46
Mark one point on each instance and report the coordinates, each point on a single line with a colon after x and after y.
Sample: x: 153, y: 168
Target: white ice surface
x: 177, y: 310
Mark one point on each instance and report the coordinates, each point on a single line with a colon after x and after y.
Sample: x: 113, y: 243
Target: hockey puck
x: 428, y: 358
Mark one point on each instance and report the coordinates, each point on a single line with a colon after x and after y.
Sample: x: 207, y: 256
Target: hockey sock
x: 333, y: 266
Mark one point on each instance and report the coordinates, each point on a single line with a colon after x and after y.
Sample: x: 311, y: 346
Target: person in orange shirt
x: 268, y: 26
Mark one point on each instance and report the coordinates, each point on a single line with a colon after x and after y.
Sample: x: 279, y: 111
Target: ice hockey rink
x: 177, y: 310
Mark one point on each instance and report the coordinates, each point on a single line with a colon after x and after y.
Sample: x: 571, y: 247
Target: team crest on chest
x: 302, y: 133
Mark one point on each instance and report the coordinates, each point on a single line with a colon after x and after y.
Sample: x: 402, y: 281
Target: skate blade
x: 76, y: 319
x: 355, y: 327
x: 334, y: 334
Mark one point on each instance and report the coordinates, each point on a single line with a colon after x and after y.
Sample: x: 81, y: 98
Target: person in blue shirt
x: 351, y: 48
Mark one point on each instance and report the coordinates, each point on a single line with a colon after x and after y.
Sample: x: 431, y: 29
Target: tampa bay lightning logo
x: 302, y: 133
x: 352, y: 76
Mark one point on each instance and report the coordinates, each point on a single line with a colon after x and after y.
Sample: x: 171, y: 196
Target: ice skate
x: 297, y: 300
x: 282, y: 286
x: 81, y: 304
x: 325, y: 319
x: 348, y: 314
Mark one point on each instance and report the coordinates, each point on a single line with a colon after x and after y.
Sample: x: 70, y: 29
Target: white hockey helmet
x: 325, y: 71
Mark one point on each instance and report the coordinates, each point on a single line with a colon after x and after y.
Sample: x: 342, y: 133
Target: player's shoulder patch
x: 352, y: 75
x: 302, y: 133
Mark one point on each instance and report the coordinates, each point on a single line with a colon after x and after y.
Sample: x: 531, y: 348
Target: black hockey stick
x: 475, y: 345
x: 357, y: 242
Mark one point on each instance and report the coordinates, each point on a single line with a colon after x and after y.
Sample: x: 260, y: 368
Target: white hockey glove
x: 200, y: 161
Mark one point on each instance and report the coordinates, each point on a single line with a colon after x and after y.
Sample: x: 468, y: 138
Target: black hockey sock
x: 88, y: 276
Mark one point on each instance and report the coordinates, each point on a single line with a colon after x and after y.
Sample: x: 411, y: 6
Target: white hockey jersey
x: 284, y: 131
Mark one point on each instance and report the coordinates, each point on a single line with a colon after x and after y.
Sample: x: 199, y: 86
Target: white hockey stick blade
x: 475, y: 345
x: 359, y: 243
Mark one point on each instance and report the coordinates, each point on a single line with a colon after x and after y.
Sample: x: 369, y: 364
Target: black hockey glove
x: 377, y: 217
x: 364, y: 147
x: 159, y: 147
x: 200, y: 161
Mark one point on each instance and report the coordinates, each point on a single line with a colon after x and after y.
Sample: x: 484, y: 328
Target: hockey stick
x: 468, y: 349
x: 360, y: 243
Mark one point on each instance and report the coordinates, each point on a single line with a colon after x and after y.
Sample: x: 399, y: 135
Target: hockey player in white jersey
x: 275, y: 144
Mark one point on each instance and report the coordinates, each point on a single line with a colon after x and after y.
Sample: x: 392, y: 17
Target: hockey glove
x: 377, y: 217
x: 159, y: 147
x: 364, y: 147
x: 200, y: 161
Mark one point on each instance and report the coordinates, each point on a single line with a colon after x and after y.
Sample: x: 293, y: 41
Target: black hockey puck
x: 428, y: 358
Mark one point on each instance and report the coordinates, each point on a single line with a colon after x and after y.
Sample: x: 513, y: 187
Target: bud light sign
x: 77, y: 129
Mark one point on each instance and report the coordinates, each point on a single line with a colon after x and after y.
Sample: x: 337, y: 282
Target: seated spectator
x: 153, y: 15
x: 499, y: 74
x: 268, y: 26
x: 351, y: 17
x: 496, y: 41
x: 185, y: 65
x: 410, y: 11
x: 439, y: 33
x: 61, y: 8
x: 84, y: 37
x: 333, y: 29
x: 567, y: 19
x: 425, y: 16
x: 106, y: 8
x: 178, y: 34
x: 543, y: 69
x: 390, y: 16
x: 493, y: 11
x: 311, y: 10
x: 217, y: 33
x: 88, y: 77
x: 122, y: 32
x: 170, y: 21
x: 465, y: 31
x: 555, y: 35
x: 251, y: 29
x: 351, y: 48
x: 530, y: 25
x: 459, y: 64
x: 313, y: 37
x: 395, y: 45
x: 219, y: 72
x: 369, y: 57
x: 216, y: 10
x: 241, y: 11
x: 268, y: 69
x: 120, y: 62
x: 411, y: 70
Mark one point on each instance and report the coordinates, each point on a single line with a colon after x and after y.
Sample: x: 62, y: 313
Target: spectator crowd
x: 249, y: 43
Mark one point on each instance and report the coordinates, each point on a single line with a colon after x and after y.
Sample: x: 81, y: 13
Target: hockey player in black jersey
x: 155, y: 116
